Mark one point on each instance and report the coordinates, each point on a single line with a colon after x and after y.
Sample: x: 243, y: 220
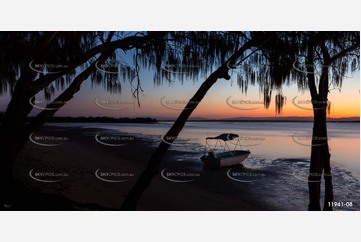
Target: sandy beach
x: 81, y: 156
x: 99, y: 166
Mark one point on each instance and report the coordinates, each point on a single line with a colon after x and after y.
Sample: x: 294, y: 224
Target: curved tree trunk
x: 153, y: 166
x: 12, y: 140
x: 15, y: 132
x: 12, y: 130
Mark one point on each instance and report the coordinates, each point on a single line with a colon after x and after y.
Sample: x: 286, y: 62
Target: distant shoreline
x: 262, y: 121
x: 154, y: 120
x: 98, y: 120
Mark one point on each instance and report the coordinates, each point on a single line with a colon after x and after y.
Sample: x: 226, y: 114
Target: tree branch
x: 27, y: 74
x: 125, y: 44
x: 67, y: 95
x: 23, y: 85
x: 155, y: 160
x: 323, y: 84
x: 342, y: 54
x: 310, y: 68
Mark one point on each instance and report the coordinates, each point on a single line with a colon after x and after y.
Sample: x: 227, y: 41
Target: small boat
x: 228, y: 157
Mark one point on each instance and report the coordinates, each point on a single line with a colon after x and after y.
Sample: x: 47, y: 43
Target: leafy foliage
x: 179, y: 55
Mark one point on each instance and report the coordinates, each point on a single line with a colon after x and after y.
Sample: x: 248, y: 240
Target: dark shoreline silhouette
x: 93, y: 120
x: 154, y: 120
x: 263, y: 120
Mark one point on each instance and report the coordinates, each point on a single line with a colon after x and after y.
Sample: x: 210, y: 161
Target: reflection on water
x: 281, y: 151
x: 265, y: 139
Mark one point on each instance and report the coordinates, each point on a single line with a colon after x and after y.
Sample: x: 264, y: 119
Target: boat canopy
x: 225, y: 137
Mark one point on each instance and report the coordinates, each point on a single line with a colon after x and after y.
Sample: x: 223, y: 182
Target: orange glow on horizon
x: 222, y: 101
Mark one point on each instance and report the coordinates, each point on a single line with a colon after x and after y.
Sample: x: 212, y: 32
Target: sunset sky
x: 160, y: 102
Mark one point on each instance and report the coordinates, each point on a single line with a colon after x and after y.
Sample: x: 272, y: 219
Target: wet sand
x: 81, y: 156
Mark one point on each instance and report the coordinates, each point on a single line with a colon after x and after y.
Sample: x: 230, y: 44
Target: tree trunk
x: 152, y: 168
x: 320, y: 159
x: 12, y: 132
x: 15, y: 132
x: 320, y: 155
x: 328, y: 183
x: 12, y: 139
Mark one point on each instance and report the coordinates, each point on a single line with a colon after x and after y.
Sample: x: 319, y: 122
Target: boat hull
x: 225, y: 159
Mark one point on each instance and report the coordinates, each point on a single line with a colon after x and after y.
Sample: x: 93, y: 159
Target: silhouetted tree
x: 271, y: 64
x: 79, y: 54
x: 242, y: 49
x: 264, y: 58
x: 329, y: 58
x: 318, y: 62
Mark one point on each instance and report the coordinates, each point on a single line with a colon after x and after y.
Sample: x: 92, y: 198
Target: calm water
x: 280, y: 150
x: 264, y: 139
